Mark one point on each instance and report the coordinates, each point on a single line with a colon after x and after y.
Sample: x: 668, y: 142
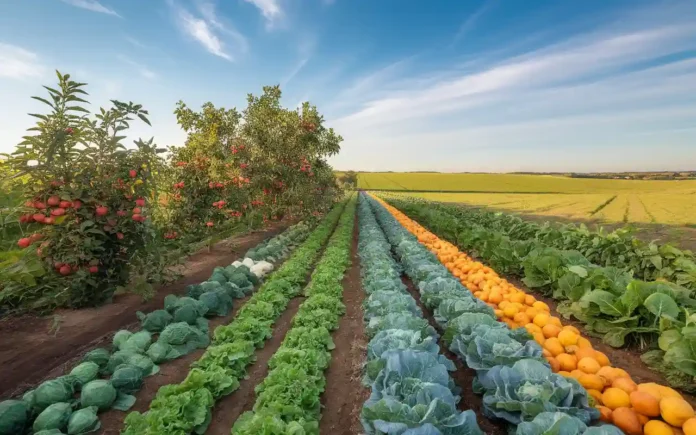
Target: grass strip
x: 185, y: 408
x: 288, y: 399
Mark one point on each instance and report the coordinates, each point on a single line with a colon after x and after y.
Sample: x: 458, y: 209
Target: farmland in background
x: 664, y: 210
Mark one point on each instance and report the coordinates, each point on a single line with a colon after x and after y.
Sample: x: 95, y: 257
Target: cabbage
x: 53, y: 391
x: 466, y: 323
x: 217, y: 302
x: 189, y: 312
x: 389, y: 416
x: 84, y: 421
x: 121, y: 337
x: 558, y: 423
x: 183, y: 338
x: 399, y: 365
x: 381, y: 303
x: 218, y: 277
x: 49, y: 432
x: 143, y: 362
x: 392, y: 339
x: 99, y: 393
x: 400, y: 320
x: 519, y: 393
x: 449, y: 309
x: 160, y: 352
x: 495, y: 346
x: 99, y: 356
x: 85, y: 372
x: 55, y: 416
x: 127, y: 378
x: 13, y: 417
x: 138, y: 342
x: 156, y: 321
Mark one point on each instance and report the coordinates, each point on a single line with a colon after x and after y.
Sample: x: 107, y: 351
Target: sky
x: 411, y: 85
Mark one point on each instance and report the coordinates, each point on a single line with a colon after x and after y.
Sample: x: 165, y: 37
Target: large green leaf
x: 668, y: 338
x: 661, y: 305
x: 608, y: 303
x: 682, y: 355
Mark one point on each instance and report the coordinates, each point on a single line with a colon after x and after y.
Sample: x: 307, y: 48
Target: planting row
x: 186, y: 407
x: 287, y: 401
x: 411, y: 389
x: 619, y: 248
x: 517, y: 383
x: 635, y: 408
x: 607, y: 299
x: 108, y: 380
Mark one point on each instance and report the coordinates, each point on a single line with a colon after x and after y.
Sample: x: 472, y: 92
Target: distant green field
x: 630, y: 201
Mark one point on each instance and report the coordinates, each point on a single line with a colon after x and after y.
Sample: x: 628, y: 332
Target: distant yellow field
x: 630, y: 201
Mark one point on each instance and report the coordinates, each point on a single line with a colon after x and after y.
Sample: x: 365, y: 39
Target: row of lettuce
x: 411, y: 389
x: 288, y: 399
x: 186, y: 407
x: 607, y: 298
x: 517, y: 384
x: 108, y: 379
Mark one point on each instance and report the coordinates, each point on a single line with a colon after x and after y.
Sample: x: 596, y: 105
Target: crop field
x: 286, y: 340
x: 316, y: 309
x: 611, y: 201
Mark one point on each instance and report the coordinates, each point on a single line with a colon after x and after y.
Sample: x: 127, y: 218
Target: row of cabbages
x: 186, y: 407
x: 107, y: 378
x: 517, y: 383
x: 412, y: 391
x: 288, y: 399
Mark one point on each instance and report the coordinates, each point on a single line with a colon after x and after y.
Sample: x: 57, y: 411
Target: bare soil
x: 344, y: 394
x: 34, y: 348
x: 229, y: 408
x: 463, y: 376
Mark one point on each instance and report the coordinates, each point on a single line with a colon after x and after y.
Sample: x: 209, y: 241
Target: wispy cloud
x: 92, y: 5
x: 18, y: 63
x: 472, y: 20
x: 304, y: 52
x: 600, y: 87
x: 270, y: 9
x: 142, y: 69
x: 208, y: 29
x: 136, y: 43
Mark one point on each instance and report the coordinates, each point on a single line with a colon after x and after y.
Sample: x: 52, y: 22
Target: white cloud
x: 18, y: 63
x: 472, y: 20
x: 92, y: 5
x: 616, y: 91
x: 142, y: 69
x: 270, y: 9
x: 207, y: 30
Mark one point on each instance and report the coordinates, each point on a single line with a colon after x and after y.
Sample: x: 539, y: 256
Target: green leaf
x: 607, y: 302
x: 144, y: 119
x: 661, y: 304
x: 579, y: 270
x: 668, y: 338
x: 682, y: 355
x: 45, y: 101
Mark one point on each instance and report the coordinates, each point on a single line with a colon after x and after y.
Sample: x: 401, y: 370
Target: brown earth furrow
x: 229, y: 408
x: 344, y: 394
x: 463, y: 376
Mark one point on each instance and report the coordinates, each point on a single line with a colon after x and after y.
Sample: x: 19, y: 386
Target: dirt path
x: 344, y: 394
x: 32, y: 348
x: 228, y: 409
x: 463, y: 377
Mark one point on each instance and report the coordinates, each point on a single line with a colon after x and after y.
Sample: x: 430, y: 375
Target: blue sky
x: 475, y: 85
